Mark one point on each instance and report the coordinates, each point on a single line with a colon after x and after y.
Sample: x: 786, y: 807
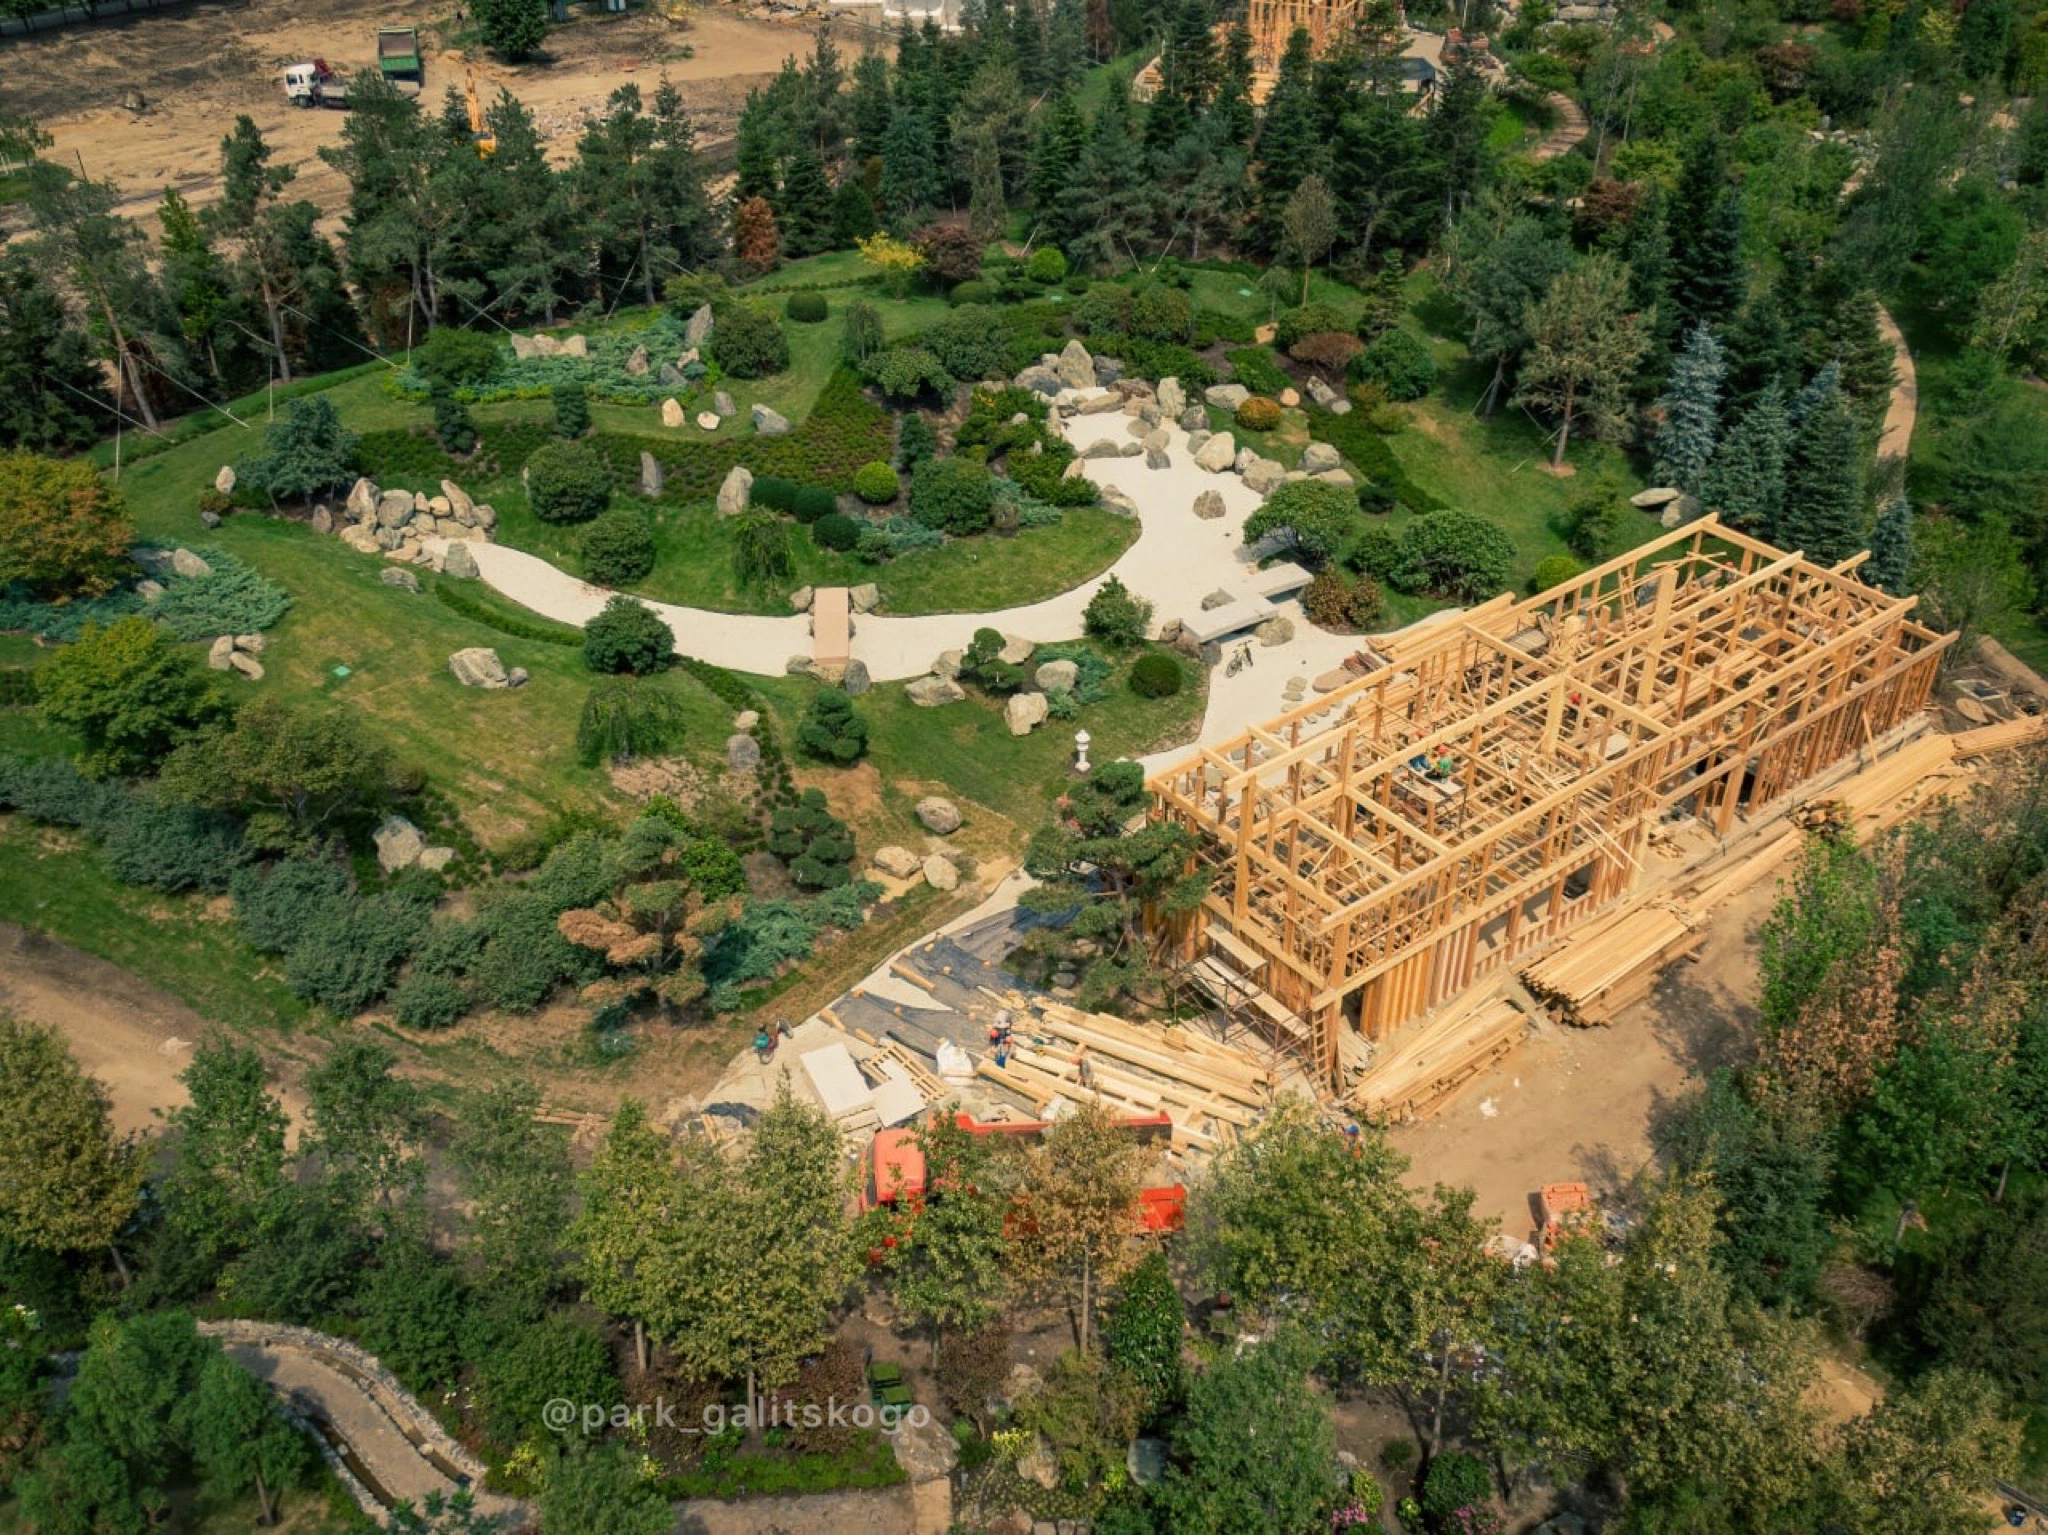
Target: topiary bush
x: 618, y: 547
x: 976, y: 292
x: 915, y: 442
x: 774, y: 493
x: 572, y: 409
x: 814, y: 843
x: 1115, y: 616
x: 567, y: 482
x: 836, y: 531
x: 953, y: 495
x: 1047, y: 265
x: 832, y: 730
x: 812, y: 502
x: 877, y: 483
x: 807, y: 308
x: 749, y: 343
x: 1311, y: 518
x: 1553, y: 570
x: 1454, y: 554
x: 1258, y: 414
x: 969, y: 342
x: 1454, y: 1481
x: 1399, y: 362
x: 1157, y: 675
x: 627, y: 636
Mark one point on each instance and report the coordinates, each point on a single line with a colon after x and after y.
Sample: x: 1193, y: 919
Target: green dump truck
x: 398, y: 55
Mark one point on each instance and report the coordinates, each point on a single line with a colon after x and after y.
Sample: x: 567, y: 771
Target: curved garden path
x: 1177, y: 559
x: 1904, y: 410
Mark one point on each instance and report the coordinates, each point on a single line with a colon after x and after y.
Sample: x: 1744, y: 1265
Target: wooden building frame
x: 1377, y: 850
x: 1272, y: 22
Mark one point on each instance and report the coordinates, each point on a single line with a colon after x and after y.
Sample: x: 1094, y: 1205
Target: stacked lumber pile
x: 1886, y: 793
x: 1211, y: 1091
x: 1436, y: 1058
x: 2006, y: 736
x: 1612, y: 961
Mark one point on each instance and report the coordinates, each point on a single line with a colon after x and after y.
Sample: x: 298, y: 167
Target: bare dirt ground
x: 125, y: 1032
x: 199, y: 68
x: 1582, y: 1103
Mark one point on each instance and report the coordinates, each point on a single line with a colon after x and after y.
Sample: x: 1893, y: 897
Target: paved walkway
x: 1904, y: 410
x: 1177, y: 559
x: 1571, y: 128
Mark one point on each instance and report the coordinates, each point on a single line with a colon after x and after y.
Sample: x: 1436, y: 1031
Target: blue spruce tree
x: 1692, y: 414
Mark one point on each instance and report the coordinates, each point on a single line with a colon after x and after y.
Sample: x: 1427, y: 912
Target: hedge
x: 1353, y: 436
x: 463, y: 597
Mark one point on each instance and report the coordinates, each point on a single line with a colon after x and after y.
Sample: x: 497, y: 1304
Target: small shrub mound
x: 618, y: 548
x: 807, y: 308
x: 1258, y: 414
x: 453, y: 357
x: 1116, y: 617
x: 567, y: 482
x: 1454, y: 554
x: 813, y: 502
x: 1047, y: 265
x: 953, y: 495
x: 627, y: 636
x: 776, y: 494
x: 1399, y: 362
x: 832, y: 730
x: 1553, y: 570
x: 1157, y: 675
x: 623, y: 718
x: 876, y: 483
x: 837, y: 531
x: 749, y: 342
x: 976, y: 292
x: 572, y: 409
x: 429, y: 1002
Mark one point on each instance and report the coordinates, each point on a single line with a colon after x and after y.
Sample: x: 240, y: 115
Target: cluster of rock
x: 541, y: 344
x: 767, y: 423
x: 1023, y: 711
x: 1671, y: 506
x: 401, y: 845
x: 412, y: 528
x: 479, y: 667
x: 940, y: 817
x: 237, y: 653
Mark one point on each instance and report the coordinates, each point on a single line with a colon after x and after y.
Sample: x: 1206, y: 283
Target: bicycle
x: 1240, y: 658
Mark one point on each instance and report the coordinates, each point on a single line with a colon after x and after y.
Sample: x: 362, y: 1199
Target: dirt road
x: 125, y: 1032
x: 199, y: 68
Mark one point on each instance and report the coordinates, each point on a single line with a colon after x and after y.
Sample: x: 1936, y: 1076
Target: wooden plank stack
x: 1434, y: 1059
x: 1611, y: 962
x: 2008, y: 735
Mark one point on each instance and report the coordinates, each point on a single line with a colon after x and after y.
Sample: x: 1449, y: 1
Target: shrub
x: 1293, y: 324
x: 429, y: 1002
x: 618, y: 547
x: 837, y: 532
x: 807, y: 308
x: 1328, y: 598
x: 954, y: 495
x: 214, y: 500
x: 905, y: 372
x: 774, y: 493
x: 1116, y: 617
x: 567, y: 482
x: 468, y: 599
x: 749, y: 343
x: 63, y: 531
x: 572, y: 409
x: 760, y: 548
x: 1368, y: 602
x: 1104, y: 307
x: 969, y: 342
x: 230, y: 599
x: 170, y: 847
x: 1254, y: 367
x: 305, y: 452
x: 951, y: 253
x: 455, y: 358
x: 862, y: 337
x: 1454, y: 1481
x: 1329, y: 352
x: 832, y: 730
x: 813, y: 842
x: 1454, y: 554
x: 1258, y: 414
x: 1311, y: 518
x: 626, y: 718
x: 1375, y: 500
x: 1047, y: 265
x: 627, y: 636
x: 1157, y: 675
x: 1553, y: 570
x: 812, y: 502
x: 877, y: 483
x: 554, y: 1357
x: 1593, y: 522
x: 454, y: 428
x: 346, y: 951
x: 1160, y: 313
x: 976, y: 292
x: 1399, y: 362
x: 130, y: 693
x: 915, y: 441
x: 1144, y: 1329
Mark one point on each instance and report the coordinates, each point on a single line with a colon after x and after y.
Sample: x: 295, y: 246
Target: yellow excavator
x: 486, y: 141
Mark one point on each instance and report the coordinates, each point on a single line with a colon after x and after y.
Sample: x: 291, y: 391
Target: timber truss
x: 1375, y: 852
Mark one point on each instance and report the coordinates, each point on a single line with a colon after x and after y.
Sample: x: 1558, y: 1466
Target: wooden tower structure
x: 1378, y: 850
x: 1272, y: 22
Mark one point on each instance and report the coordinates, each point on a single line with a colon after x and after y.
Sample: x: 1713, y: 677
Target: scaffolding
x: 1272, y: 22
x: 1377, y: 851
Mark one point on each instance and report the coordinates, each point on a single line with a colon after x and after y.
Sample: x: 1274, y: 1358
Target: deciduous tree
x: 68, y: 1183
x: 64, y: 532
x: 1585, y: 347
x: 1077, y: 1211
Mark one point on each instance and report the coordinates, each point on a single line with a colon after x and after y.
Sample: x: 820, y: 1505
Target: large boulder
x: 735, y: 493
x: 722, y: 405
x: 224, y: 482
x: 1172, y: 398
x: 546, y: 346
x: 1158, y: 439
x: 1040, y: 379
x: 864, y: 598
x: 360, y: 538
x: 1057, y: 677
x: 897, y: 862
x: 185, y: 563
x: 707, y: 420
x: 1264, y: 475
x: 1076, y: 369
x: 1319, y: 457
x: 1103, y: 448
x: 941, y: 873
x: 1277, y: 630
x: 246, y: 665
x: 939, y: 816
x: 1341, y: 478
x: 698, y: 329
x: 1209, y: 505
x: 362, y: 500
x: 801, y: 599
x: 523, y: 347
x: 637, y: 363
x: 769, y: 423
x: 672, y: 413
x: 218, y: 652
x: 948, y: 664
x: 930, y: 692
x: 1102, y: 404
x: 1016, y: 650
x: 742, y: 752
x: 856, y: 679
x: 1117, y: 501
x: 403, y: 580
x: 1217, y: 454
x: 460, y: 506
x: 322, y: 520
x: 1226, y: 396
x: 394, y: 509
x: 399, y: 844
x: 458, y: 562
x: 1158, y: 458
x: 652, y: 477
x: 1025, y: 712
x: 478, y: 667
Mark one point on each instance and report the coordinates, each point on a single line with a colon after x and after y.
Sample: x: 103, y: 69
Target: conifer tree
x: 1692, y: 413
x: 1746, y: 482
x: 52, y: 392
x: 912, y: 181
x: 853, y: 213
x: 870, y: 105
x: 1867, y: 360
x: 1290, y: 143
x: 803, y: 209
x: 1706, y: 237
x: 1232, y: 108
x: 1455, y: 133
x: 1585, y: 347
x: 1066, y: 45
x: 1062, y: 135
x: 1823, y: 511
x: 1890, y: 566
x: 1106, y: 209
x: 1762, y: 348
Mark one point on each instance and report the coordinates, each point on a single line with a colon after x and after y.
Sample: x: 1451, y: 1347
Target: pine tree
x: 1106, y: 210
x: 1066, y: 45
x: 871, y: 106
x: 1867, y: 360
x: 1890, y: 566
x: 1232, y: 107
x: 514, y: 28
x: 1062, y: 135
x: 1826, y: 382
x: 912, y: 182
x: 803, y: 209
x: 1823, y: 512
x: 52, y: 392
x: 1762, y: 348
x: 1746, y: 482
x: 853, y: 213
x: 754, y: 149
x: 755, y: 239
x: 1584, y: 348
x: 1706, y: 237
x: 1456, y: 134
x: 1290, y: 145
x: 1692, y: 413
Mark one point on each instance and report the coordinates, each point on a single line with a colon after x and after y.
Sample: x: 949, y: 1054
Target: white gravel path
x: 1178, y: 559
